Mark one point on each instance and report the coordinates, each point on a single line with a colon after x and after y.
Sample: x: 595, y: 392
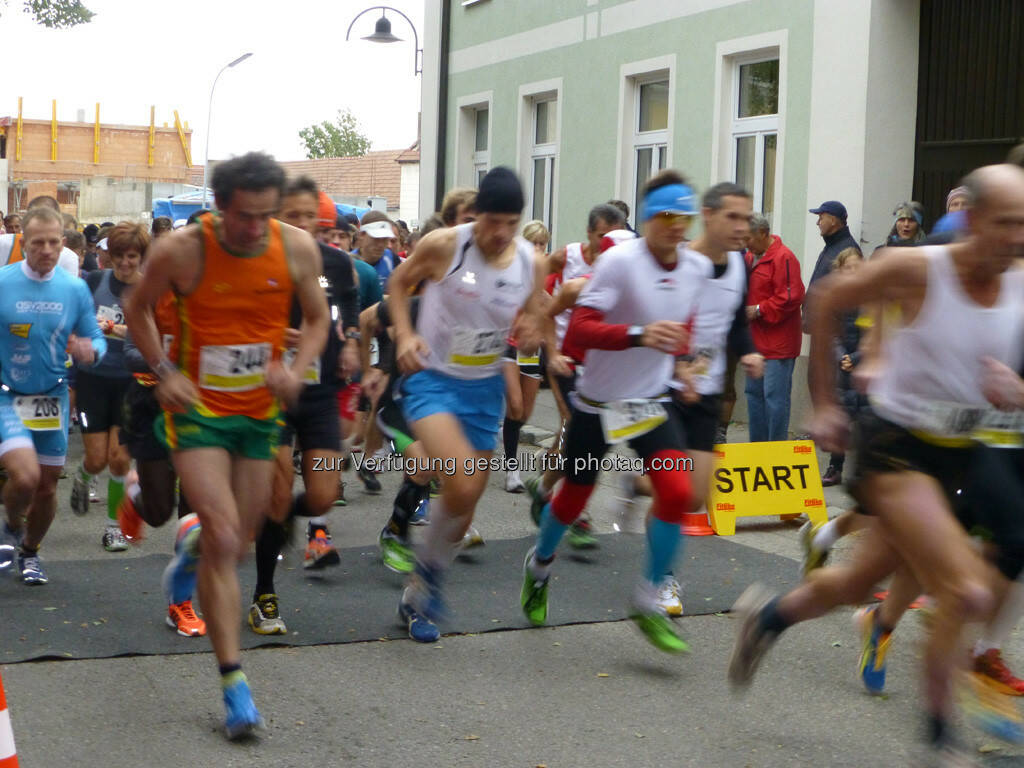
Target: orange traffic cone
x: 696, y: 524
x: 8, y: 755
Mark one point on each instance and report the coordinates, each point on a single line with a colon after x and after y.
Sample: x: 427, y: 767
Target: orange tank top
x: 17, y: 252
x: 166, y: 315
x: 232, y: 325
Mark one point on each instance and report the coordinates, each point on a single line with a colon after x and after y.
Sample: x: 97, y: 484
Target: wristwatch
x: 635, y: 334
x: 355, y: 335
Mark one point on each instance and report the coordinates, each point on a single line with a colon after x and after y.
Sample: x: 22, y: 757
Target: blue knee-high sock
x: 551, y: 532
x: 662, y: 544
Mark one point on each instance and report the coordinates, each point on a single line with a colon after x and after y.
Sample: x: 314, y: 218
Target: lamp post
x: 382, y: 33
x: 209, y: 116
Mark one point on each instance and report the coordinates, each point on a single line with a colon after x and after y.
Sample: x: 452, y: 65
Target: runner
x: 631, y: 320
x: 99, y: 392
x: 12, y: 246
x: 478, y: 279
x: 577, y: 261
x: 234, y: 275
x: 315, y: 423
x: 40, y: 307
x: 957, y: 351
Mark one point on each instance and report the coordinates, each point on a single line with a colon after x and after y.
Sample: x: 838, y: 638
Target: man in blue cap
x: 835, y: 233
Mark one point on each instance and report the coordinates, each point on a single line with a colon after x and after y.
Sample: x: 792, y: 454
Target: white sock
x: 539, y: 571
x: 997, y: 632
x: 444, y: 535
x: 645, y: 597
x: 827, y: 535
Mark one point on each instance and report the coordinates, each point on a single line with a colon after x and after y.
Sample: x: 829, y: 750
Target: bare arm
x: 305, y: 265
x: 367, y: 331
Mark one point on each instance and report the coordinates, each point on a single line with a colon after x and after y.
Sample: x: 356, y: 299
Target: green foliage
x: 342, y: 138
x: 55, y: 14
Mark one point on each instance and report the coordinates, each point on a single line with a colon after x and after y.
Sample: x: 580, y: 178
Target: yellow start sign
x: 758, y: 479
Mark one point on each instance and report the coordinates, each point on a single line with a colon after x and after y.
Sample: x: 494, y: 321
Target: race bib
x: 702, y: 361
x: 626, y: 419
x: 39, y: 413
x: 234, y: 368
x: 374, y: 351
x: 471, y: 347
x: 522, y: 359
x: 981, y: 423
x: 312, y: 374
x: 113, y: 315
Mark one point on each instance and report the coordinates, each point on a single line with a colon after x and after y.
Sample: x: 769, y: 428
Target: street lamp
x: 382, y: 33
x: 209, y: 116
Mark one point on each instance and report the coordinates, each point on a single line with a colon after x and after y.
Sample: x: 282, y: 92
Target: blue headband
x: 673, y: 198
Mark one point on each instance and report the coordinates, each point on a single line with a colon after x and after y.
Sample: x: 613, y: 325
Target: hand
x: 411, y: 353
x: 284, y: 384
x: 527, y: 333
x: 291, y: 337
x: 830, y: 428
x: 82, y: 351
x: 119, y: 330
x: 561, y: 365
x: 1001, y: 385
x: 846, y: 363
x: 349, y: 362
x: 686, y: 374
x: 665, y: 336
x: 752, y: 312
x: 753, y: 365
x: 375, y: 381
x: 176, y: 392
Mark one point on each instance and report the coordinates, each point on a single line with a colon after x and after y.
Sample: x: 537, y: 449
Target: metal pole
x: 209, y: 116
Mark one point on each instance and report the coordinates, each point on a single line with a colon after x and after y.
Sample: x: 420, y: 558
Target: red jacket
x: 774, y: 285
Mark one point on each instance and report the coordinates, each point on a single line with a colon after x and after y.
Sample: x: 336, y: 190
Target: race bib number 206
x: 234, y: 368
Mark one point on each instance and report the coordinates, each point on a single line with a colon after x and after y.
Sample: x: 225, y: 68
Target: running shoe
x: 242, y: 718
x: 265, y: 618
x: 297, y: 462
x: 990, y: 668
x: 659, y: 630
x: 80, y: 496
x: 581, y: 534
x: 753, y: 641
x: 320, y: 552
x: 534, y: 595
x: 370, y: 481
x: 179, y: 579
x: 513, y: 483
x: 422, y: 604
x: 94, y: 497
x: 340, y: 501
x: 421, y: 629
x: 31, y: 569
x: 129, y: 520
x: 874, y: 647
x: 668, y: 597
x: 9, y: 543
x: 988, y: 710
x: 722, y: 434
x: 182, y: 617
x: 814, y: 556
x: 537, y: 498
x: 422, y: 514
x: 395, y: 553
x: 472, y: 538
x: 113, y: 539
x: 831, y: 477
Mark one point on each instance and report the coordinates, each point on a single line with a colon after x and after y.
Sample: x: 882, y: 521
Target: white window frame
x: 632, y: 76
x: 468, y: 162
x: 730, y: 56
x: 527, y: 150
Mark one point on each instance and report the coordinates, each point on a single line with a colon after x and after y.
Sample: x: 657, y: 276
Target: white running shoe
x: 669, y: 597
x: 513, y: 483
x: 472, y: 538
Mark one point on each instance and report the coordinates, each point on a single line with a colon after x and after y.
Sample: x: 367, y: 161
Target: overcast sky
x: 138, y: 53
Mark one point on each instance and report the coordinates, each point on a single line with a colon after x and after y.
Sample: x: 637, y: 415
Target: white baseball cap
x: 378, y: 229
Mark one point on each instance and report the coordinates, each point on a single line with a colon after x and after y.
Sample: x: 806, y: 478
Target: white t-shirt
x: 68, y: 258
x: 631, y: 287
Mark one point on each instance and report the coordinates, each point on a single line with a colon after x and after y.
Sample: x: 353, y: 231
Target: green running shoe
x: 396, y: 554
x: 659, y: 631
x: 534, y: 596
x: 581, y: 534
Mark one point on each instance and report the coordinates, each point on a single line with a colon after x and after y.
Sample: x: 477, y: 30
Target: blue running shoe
x: 31, y: 569
x: 421, y: 629
x: 422, y: 514
x: 242, y: 718
x: 179, y: 580
x: 875, y: 646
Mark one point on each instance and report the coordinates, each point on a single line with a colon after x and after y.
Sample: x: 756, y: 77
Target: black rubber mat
x: 114, y: 607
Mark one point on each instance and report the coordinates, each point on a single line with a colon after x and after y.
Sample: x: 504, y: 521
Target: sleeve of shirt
x: 787, y: 291
x: 68, y: 261
x: 602, y: 291
x: 85, y: 325
x: 739, y: 340
x: 93, y: 280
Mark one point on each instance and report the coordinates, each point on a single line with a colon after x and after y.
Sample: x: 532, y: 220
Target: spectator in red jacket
x: 774, y: 295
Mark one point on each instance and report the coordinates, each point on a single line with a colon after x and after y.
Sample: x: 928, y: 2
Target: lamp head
x: 382, y: 32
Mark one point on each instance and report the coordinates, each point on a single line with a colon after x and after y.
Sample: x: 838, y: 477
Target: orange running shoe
x: 990, y: 668
x: 320, y: 553
x: 131, y: 523
x: 183, y: 618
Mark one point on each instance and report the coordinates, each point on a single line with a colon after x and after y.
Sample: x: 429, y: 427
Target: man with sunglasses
x: 632, y: 319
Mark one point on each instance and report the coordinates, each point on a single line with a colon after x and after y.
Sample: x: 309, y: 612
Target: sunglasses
x: 672, y: 219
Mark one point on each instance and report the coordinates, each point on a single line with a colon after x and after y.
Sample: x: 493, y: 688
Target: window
x: 543, y: 150
x: 755, y: 129
x: 481, y: 155
x: 473, y: 139
x: 650, y: 133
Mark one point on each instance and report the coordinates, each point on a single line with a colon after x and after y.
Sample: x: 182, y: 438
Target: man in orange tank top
x: 234, y: 275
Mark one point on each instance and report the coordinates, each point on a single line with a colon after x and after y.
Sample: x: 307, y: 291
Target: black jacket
x: 835, y: 244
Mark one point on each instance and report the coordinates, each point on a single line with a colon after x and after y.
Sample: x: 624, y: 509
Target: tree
x: 342, y: 138
x: 56, y: 14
